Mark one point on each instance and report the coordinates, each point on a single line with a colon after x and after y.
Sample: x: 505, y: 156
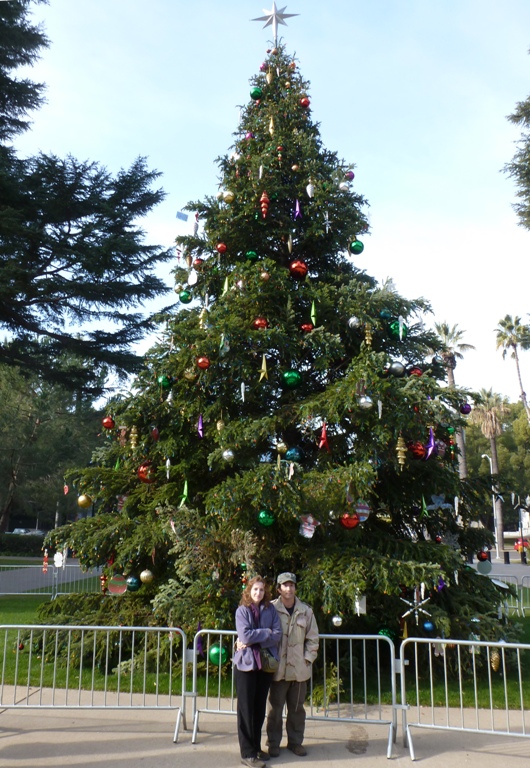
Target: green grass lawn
x: 20, y: 609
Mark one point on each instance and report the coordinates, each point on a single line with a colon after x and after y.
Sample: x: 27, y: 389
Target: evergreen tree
x: 292, y: 416
x: 45, y: 431
x: 74, y: 266
x: 20, y: 43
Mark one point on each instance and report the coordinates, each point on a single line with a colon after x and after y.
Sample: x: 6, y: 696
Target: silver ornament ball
x: 337, y: 621
x: 365, y: 402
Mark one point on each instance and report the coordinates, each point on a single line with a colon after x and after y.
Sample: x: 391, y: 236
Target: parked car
x: 521, y: 544
x: 21, y: 531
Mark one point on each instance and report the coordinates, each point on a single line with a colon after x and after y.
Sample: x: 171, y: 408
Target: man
x: 298, y: 650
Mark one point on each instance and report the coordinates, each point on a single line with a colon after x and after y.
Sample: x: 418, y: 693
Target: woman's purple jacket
x: 268, y: 635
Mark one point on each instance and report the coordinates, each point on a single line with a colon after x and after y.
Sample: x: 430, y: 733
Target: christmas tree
x: 294, y: 415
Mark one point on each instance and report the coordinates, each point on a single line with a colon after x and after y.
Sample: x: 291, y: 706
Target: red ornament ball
x: 146, y: 472
x: 260, y: 323
x: 304, y: 102
x: 198, y: 262
x: 108, y: 422
x: 350, y: 520
x: 415, y: 371
x: 307, y: 327
x: 221, y: 247
x: 203, y: 362
x: 298, y: 269
x: 482, y: 556
x: 417, y: 450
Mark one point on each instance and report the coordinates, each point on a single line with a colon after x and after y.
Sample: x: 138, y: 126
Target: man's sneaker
x: 263, y: 755
x: 253, y: 762
x: 274, y: 751
x: 297, y: 749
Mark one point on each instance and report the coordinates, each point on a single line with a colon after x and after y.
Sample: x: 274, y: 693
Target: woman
x: 258, y: 626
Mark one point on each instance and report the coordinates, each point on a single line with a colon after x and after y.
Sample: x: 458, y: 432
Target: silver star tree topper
x: 274, y: 17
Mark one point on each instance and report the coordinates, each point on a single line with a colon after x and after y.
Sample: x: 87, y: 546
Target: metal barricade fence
x: 525, y: 594
x: 463, y: 685
x: 354, y: 680
x: 33, y: 580
x: 513, y: 604
x: 85, y: 667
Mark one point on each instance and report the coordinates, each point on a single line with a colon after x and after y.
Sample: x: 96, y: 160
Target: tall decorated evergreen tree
x: 293, y: 416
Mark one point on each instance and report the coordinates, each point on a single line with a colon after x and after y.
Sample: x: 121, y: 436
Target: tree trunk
x: 450, y: 363
x: 495, y: 491
x: 523, y: 393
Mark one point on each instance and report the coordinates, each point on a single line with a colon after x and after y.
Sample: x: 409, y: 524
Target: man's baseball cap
x: 283, y: 577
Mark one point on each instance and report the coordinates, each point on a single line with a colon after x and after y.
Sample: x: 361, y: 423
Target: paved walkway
x: 98, y: 739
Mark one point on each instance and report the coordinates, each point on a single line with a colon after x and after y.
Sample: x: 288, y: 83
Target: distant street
x: 30, y: 579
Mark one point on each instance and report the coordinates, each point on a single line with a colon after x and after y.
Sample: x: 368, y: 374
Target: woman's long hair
x: 245, y: 597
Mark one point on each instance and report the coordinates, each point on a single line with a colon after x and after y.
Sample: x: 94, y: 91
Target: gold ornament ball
x: 287, y: 84
x: 265, y: 276
x: 281, y: 447
x: 220, y: 425
x: 228, y: 196
x: 146, y: 577
x: 84, y: 501
x: 295, y: 167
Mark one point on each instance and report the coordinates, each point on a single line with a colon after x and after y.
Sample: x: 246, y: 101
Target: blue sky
x: 415, y: 93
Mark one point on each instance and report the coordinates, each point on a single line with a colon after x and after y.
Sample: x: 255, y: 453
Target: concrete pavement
x: 143, y: 739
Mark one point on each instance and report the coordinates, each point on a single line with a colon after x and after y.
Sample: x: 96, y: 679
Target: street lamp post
x: 485, y: 456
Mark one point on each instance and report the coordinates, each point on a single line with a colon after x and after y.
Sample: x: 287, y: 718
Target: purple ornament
x: 297, y: 211
x: 200, y: 429
x: 349, y: 175
x: 465, y: 408
x: 262, y: 67
x: 441, y: 583
x: 430, y: 446
x: 249, y: 136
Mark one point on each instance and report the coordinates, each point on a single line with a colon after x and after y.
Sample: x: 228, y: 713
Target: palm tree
x: 452, y: 348
x: 487, y: 414
x: 512, y: 334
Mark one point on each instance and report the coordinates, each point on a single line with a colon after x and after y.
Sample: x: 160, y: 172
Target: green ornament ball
x: 357, y: 246
x: 164, y: 381
x: 133, y: 584
x: 291, y: 379
x: 256, y: 93
x: 393, y: 329
x: 218, y: 654
x: 266, y: 518
x: 185, y: 297
x: 251, y: 255
x: 387, y: 632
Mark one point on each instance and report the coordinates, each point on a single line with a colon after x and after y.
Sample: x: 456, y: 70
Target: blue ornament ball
x: 428, y: 626
x: 293, y: 454
x: 133, y: 583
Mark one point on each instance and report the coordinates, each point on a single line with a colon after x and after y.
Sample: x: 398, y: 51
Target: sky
x: 414, y: 93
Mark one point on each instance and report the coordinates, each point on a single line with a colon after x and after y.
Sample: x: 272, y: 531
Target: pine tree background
x: 294, y: 415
